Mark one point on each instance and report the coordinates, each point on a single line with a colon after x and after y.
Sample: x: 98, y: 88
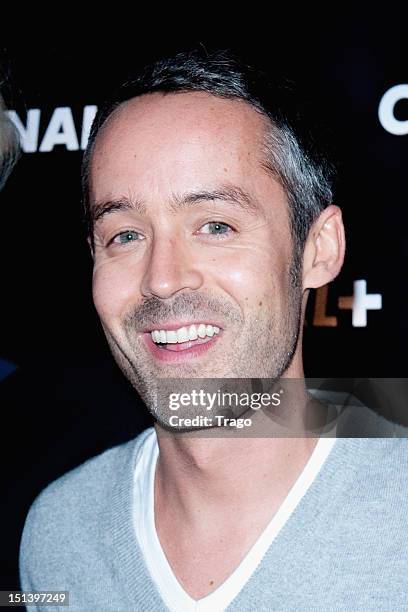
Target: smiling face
x: 193, y: 273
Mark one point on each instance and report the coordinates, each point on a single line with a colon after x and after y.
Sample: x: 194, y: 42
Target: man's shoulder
x: 69, y: 523
x: 78, y: 498
x: 89, y: 478
x: 355, y: 419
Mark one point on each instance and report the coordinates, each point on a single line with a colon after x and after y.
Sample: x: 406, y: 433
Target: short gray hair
x: 306, y: 183
x: 9, y: 144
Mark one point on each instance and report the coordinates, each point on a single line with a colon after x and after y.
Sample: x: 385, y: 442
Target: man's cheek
x: 113, y: 290
x: 246, y: 283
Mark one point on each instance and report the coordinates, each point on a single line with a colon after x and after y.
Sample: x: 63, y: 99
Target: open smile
x: 177, y: 343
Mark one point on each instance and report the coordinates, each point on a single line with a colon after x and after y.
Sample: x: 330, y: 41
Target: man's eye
x: 215, y: 228
x: 126, y: 237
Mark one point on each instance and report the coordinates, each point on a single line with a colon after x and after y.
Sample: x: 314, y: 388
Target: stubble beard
x: 262, y: 347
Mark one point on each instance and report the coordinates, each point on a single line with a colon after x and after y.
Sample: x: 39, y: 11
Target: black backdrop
x: 66, y: 400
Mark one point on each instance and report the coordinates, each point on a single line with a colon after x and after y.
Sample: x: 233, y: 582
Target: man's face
x: 191, y: 230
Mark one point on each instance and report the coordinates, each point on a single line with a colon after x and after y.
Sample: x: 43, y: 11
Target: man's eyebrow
x: 100, y: 209
x: 227, y: 193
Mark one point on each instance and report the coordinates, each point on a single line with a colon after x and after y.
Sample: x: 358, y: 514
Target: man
x: 210, y: 219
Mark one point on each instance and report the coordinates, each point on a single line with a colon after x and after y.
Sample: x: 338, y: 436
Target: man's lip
x: 172, y: 326
x: 194, y: 350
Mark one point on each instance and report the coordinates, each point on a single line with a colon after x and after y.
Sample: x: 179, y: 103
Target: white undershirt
x: 171, y: 591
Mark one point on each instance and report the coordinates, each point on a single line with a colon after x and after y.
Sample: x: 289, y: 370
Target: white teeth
x: 171, y: 337
x: 209, y: 330
x: 202, y: 330
x: 192, y: 332
x: 184, y: 334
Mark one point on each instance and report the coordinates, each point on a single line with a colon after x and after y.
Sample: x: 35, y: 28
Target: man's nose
x: 170, y: 268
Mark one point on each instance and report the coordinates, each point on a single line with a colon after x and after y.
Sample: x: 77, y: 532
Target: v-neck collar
x: 127, y: 558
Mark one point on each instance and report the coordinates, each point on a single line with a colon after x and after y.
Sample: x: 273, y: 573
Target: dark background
x: 66, y: 401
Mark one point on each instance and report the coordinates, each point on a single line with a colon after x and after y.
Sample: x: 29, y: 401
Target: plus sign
x: 360, y: 302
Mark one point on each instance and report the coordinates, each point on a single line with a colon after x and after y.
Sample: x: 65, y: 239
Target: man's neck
x: 207, y: 475
x: 214, y: 495
x: 210, y: 471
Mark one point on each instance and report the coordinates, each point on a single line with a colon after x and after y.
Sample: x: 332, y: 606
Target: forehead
x: 159, y: 144
x: 172, y: 116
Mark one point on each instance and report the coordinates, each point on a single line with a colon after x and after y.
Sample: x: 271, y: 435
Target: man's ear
x: 324, y: 249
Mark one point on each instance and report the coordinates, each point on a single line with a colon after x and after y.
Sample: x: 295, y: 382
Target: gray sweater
x: 345, y: 547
